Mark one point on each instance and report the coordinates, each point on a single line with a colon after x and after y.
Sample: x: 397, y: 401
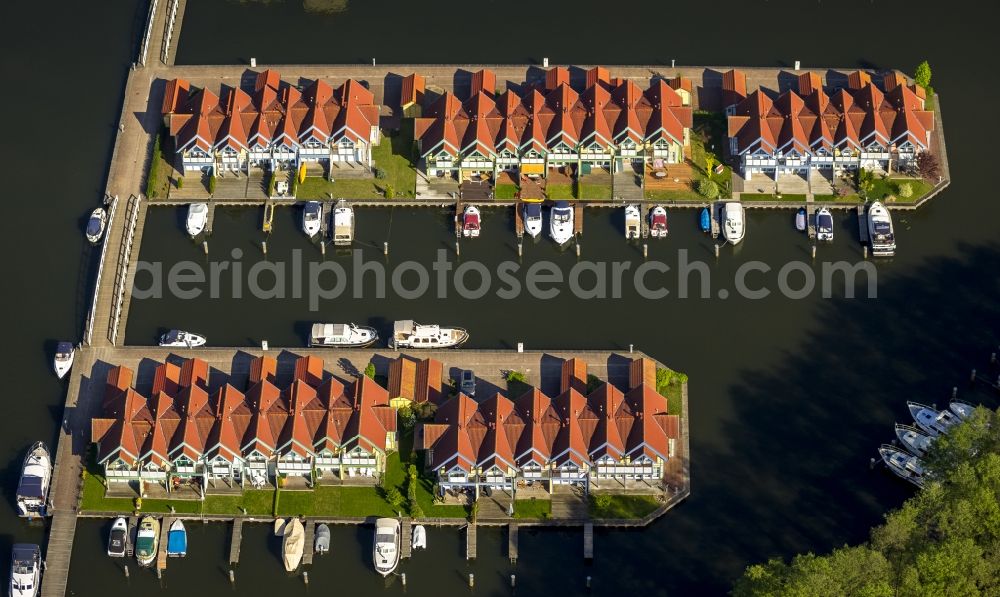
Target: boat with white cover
x: 312, y: 218
x: 914, y: 440
x: 343, y: 224
x: 905, y: 466
x: 533, y: 219
x: 147, y: 541
x: 733, y: 224
x: 181, y: 339
x: 824, y: 225
x: 344, y: 335
x: 633, y: 222
x: 25, y: 569
x: 409, y: 334
x: 880, y: 231
x: 931, y: 420
x: 63, y: 361
x: 95, y: 225
x: 322, y: 543
x: 471, y: 222
x: 561, y: 223
x: 964, y: 410
x: 658, y: 222
x: 118, y: 538
x: 419, y: 537
x: 292, y: 544
x: 197, y: 219
x: 36, y: 478
x: 386, y: 551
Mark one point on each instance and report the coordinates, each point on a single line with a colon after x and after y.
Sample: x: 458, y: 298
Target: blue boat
x: 706, y: 220
x: 177, y: 540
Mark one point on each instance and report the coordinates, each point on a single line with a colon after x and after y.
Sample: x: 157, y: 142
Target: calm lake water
x: 789, y: 398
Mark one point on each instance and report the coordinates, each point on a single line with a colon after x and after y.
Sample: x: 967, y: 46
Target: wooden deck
x: 470, y: 541
x: 588, y: 541
x: 512, y: 542
x: 235, y: 541
x: 578, y: 219
x: 161, y: 556
x: 310, y: 543
x: 406, y: 538
x: 58, y: 553
x: 863, y: 225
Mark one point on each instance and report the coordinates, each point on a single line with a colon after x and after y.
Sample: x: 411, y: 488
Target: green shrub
x: 380, y: 173
x: 602, y: 501
x: 905, y: 190
x: 922, y: 76
x: 516, y: 376
x: 211, y: 185
x: 272, y: 181
x: 389, y: 191
x: 153, y: 180
x: 415, y: 510
x: 294, y: 186
x: 394, y: 498
x: 370, y: 370
x: 180, y: 182
x: 667, y: 377
x: 708, y: 189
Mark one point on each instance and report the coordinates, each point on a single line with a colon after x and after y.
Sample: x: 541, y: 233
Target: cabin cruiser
x: 906, y: 466
x: 25, y: 569
x: 964, y: 410
x: 292, y: 544
x: 932, y: 421
x: 419, y: 537
x: 801, y: 221
x: 914, y: 440
x: 470, y: 222
x: 322, y: 544
x: 197, y: 219
x: 181, y: 339
x: 824, y: 225
x: 409, y: 334
x: 561, y: 223
x: 312, y: 218
x: 36, y: 478
x: 177, y: 540
x: 147, y: 541
x: 880, y: 231
x: 343, y: 224
x: 733, y: 228
x: 533, y: 219
x: 63, y: 360
x: 344, y: 335
x: 386, y: 552
x: 118, y: 538
x: 658, y: 222
x: 633, y: 222
x: 95, y: 225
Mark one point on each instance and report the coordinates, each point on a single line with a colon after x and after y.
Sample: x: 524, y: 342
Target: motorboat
x: 824, y: 224
x: 312, y: 218
x: 419, y: 537
x: 343, y: 224
x: 386, y: 551
x: 561, y: 223
x: 658, y: 222
x: 533, y: 219
x: 932, y: 421
x: 409, y: 334
x: 914, y: 440
x: 880, y: 231
x: 25, y: 569
x: 801, y: 221
x: 118, y: 538
x: 344, y: 335
x: 706, y: 220
x: 147, y: 540
x: 905, y: 466
x: 734, y: 228
x: 964, y: 410
x: 633, y: 222
x: 470, y: 222
x: 322, y: 544
x: 177, y: 540
x: 181, y: 339
x: 36, y: 478
x: 63, y: 360
x: 292, y: 544
x: 197, y: 219
x: 95, y: 225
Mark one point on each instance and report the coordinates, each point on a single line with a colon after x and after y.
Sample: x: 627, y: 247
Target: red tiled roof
x: 263, y: 368
x: 555, y: 77
x: 484, y: 80
x: 309, y: 369
x: 194, y: 372
x: 412, y: 91
x: 596, y: 75
x: 175, y: 95
x: 734, y: 87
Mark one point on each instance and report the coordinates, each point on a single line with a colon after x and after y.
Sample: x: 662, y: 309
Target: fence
x: 144, y: 48
x: 88, y: 334
x: 168, y: 30
x: 121, y: 275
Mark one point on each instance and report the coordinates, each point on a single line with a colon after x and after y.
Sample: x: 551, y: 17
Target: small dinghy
x: 800, y: 219
x: 658, y: 222
x: 197, y: 219
x: 706, y: 220
x: 292, y: 544
x: 419, y: 537
x: 181, y: 339
x: 633, y: 222
x: 964, y: 410
x: 470, y: 222
x: 312, y: 218
x: 322, y: 539
x: 118, y: 538
x: 95, y: 225
x: 177, y: 540
x: 914, y: 440
x: 63, y: 360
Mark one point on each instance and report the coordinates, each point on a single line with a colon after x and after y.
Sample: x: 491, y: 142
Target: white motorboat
x: 932, y: 421
x: 343, y: 224
x: 964, y: 410
x: 25, y: 569
x: 409, y: 334
x: 533, y: 219
x: 801, y: 220
x: 344, y: 335
x: 147, y: 541
x: 658, y: 222
x: 95, y: 225
x: 312, y: 218
x: 914, y: 440
x: 322, y: 545
x: 633, y: 222
x: 906, y: 466
x: 36, y: 477
x: 824, y: 225
x: 880, y: 231
x: 471, y: 222
x: 177, y: 540
x: 181, y: 339
x: 419, y: 537
x: 197, y: 219
x: 63, y: 360
x: 561, y: 223
x: 386, y: 551
x: 292, y: 544
x: 118, y: 538
x: 733, y: 225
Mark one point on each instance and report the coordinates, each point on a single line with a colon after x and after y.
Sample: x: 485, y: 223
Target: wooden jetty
x: 133, y: 530
x: 512, y: 542
x: 863, y: 225
x: 210, y: 220
x: 578, y: 218
x: 458, y: 218
x: 588, y: 541
x: 58, y: 553
x: 235, y: 541
x: 811, y: 224
x: 161, y: 555
x: 716, y: 212
x: 470, y: 541
x: 644, y: 209
x: 406, y: 538
x: 519, y: 219
x: 310, y: 543
x: 268, y: 221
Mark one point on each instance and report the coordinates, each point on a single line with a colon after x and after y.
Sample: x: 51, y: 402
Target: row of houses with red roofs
x: 811, y: 128
x: 277, y: 126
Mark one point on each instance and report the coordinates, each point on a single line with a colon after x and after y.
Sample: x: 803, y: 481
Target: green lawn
x: 559, y: 191
x: 504, y: 191
x: 533, y: 508
x: 257, y: 502
x: 668, y: 196
x: 621, y: 506
x: 594, y: 192
x: 888, y: 188
x: 852, y: 198
x: 785, y: 197
x: 707, y: 141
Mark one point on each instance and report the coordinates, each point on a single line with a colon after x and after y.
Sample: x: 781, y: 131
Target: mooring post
x: 871, y: 463
x: 305, y: 576
x: 954, y: 392
x: 263, y: 246
x: 458, y: 248
x: 645, y: 250
x: 814, y: 251
x: 513, y: 581
x: 159, y: 573
x: 588, y: 583
x: 716, y: 249
x: 385, y: 248
x: 232, y: 576
x: 972, y: 377
x: 520, y: 247
x: 578, y: 248
x: 472, y: 580
x: 322, y: 248
x: 126, y: 571
x: 204, y: 246
x: 865, y: 251
x: 403, y: 578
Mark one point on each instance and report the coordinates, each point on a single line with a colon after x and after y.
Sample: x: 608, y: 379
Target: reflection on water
x: 309, y: 6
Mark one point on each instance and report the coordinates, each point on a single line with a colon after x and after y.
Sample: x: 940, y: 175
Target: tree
x: 922, y: 76
x: 370, y: 370
x: 415, y: 510
x: 927, y: 166
x: 905, y: 190
x: 389, y: 191
x: 865, y: 181
x: 180, y: 182
x: 708, y: 189
x: 394, y: 498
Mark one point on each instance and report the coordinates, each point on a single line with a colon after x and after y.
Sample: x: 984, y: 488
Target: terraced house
x: 813, y: 131
x: 610, y: 124
x: 185, y: 439
x: 277, y: 126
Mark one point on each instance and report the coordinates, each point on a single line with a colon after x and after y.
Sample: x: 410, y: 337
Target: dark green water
x: 789, y: 398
